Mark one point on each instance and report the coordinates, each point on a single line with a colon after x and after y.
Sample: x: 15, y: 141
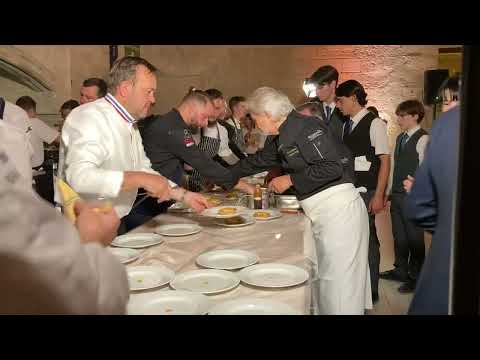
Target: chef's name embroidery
x: 291, y: 151
x: 315, y: 135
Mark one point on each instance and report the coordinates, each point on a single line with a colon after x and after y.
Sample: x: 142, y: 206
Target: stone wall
x: 390, y: 73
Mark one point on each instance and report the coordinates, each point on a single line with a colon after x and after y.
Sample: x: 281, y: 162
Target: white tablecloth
x: 280, y: 240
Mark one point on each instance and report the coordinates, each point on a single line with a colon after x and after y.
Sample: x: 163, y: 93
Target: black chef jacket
x: 169, y: 144
x: 307, y: 151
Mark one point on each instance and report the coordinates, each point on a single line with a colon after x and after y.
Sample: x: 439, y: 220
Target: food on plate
x: 214, y: 201
x: 237, y: 220
x: 231, y: 196
x: 168, y: 310
x: 227, y: 211
x: 261, y: 214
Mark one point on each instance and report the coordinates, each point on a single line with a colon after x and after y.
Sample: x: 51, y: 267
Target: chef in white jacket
x: 104, y: 154
x: 47, y: 266
x: 16, y: 133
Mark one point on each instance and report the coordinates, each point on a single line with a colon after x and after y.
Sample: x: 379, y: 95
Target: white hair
x: 266, y: 100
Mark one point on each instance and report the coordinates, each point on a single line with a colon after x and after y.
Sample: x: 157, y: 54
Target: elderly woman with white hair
x: 317, y: 168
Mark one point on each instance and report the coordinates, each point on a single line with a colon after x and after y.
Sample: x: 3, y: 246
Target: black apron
x: 238, y: 137
x: 210, y: 146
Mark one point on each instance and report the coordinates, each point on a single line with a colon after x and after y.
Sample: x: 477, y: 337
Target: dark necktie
x: 348, y: 127
x: 403, y: 141
x: 328, y: 111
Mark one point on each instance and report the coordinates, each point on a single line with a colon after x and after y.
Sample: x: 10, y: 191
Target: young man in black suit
x: 325, y: 80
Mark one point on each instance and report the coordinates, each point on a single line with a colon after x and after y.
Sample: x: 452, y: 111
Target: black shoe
x: 374, y: 298
x: 407, y: 287
x: 394, y: 275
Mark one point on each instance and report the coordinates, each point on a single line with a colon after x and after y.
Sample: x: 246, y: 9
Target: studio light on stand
x: 309, y: 88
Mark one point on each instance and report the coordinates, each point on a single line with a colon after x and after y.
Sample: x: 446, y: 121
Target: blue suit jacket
x: 430, y: 206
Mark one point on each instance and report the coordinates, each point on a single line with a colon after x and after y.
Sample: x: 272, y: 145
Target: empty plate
x: 267, y: 214
x: 137, y: 240
x: 178, y: 229
x: 149, y: 276
x: 223, y: 212
x: 273, y: 275
x: 207, y: 281
x: 236, y: 221
x: 252, y: 306
x: 125, y: 255
x: 169, y: 302
x: 227, y: 259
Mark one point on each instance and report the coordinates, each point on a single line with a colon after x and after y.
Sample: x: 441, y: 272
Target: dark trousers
x: 142, y: 213
x: 373, y: 246
x: 408, y: 239
x: 44, y: 185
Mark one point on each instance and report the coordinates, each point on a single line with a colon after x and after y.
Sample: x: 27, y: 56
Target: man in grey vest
x: 408, y: 155
x: 325, y: 81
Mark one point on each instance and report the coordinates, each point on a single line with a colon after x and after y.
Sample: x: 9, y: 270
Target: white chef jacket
x: 100, y: 145
x: 44, y: 268
x: 41, y: 133
x: 16, y: 138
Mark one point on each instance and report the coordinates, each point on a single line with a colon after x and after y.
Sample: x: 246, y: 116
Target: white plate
x: 180, y: 207
x: 273, y: 275
x: 169, y: 302
x: 178, y: 229
x: 207, y: 281
x: 248, y: 220
x: 252, y: 306
x: 125, y: 255
x: 227, y: 259
x: 274, y: 214
x: 148, y: 276
x: 213, y: 212
x: 137, y: 240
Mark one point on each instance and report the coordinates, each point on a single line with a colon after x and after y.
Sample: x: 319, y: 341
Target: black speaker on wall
x: 432, y: 81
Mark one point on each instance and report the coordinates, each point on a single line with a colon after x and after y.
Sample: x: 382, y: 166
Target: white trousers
x: 340, y: 232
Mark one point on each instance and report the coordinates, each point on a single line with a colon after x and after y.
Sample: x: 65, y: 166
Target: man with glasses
x: 323, y: 83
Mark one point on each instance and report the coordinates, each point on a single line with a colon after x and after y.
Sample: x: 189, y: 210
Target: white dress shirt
x: 378, y: 132
x: 100, y: 145
x: 41, y: 133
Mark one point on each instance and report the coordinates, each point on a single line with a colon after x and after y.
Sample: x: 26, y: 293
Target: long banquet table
x: 280, y: 241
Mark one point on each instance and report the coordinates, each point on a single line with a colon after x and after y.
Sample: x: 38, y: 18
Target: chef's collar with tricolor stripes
x: 120, y: 109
